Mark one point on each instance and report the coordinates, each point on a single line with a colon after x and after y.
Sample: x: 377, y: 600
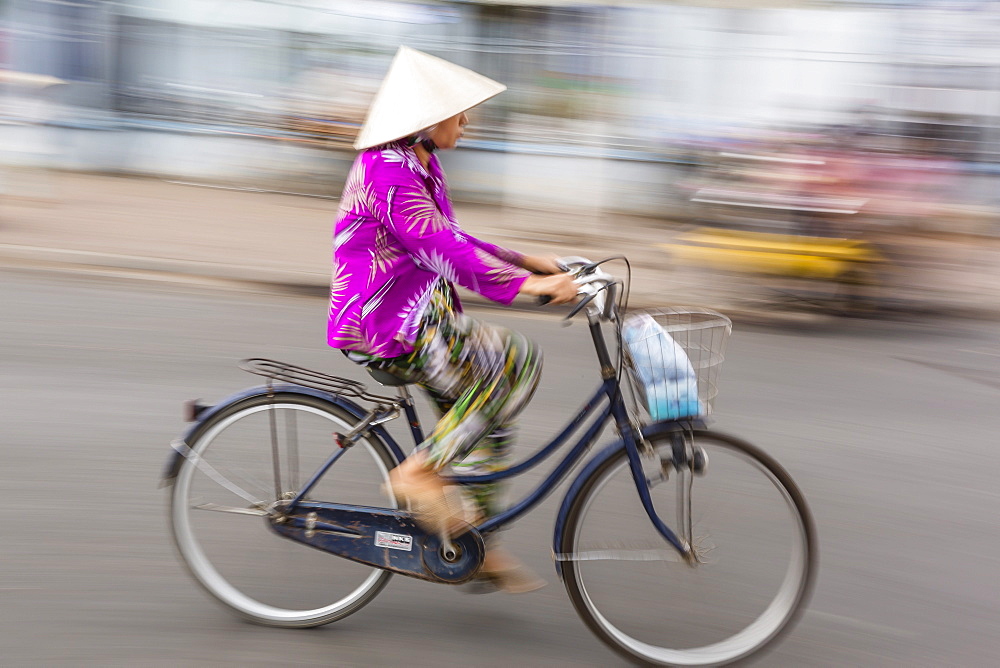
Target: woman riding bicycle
x: 398, y: 254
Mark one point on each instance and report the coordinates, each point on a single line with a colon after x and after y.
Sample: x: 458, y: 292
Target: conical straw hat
x: 419, y: 91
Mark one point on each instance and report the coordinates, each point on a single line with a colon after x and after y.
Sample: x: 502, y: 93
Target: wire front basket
x: 687, y: 387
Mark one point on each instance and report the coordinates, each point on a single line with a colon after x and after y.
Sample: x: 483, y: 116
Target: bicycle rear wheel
x: 224, y: 487
x: 750, y: 527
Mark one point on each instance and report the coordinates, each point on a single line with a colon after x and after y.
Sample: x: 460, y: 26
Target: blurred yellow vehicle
x: 848, y: 266
x: 785, y: 224
x: 775, y: 254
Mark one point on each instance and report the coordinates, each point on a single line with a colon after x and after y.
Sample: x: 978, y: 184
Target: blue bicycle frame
x: 610, y: 389
x: 615, y: 408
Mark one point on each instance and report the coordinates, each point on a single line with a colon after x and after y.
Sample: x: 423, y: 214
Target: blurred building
x: 624, y: 94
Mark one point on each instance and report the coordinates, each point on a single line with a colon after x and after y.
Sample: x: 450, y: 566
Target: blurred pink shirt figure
x: 395, y: 238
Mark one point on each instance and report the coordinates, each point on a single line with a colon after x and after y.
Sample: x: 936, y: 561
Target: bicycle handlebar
x: 596, y: 286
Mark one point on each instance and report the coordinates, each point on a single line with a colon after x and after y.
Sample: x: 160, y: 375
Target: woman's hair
x: 423, y: 138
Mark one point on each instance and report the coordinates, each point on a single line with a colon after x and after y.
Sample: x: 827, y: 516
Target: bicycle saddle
x: 387, y: 379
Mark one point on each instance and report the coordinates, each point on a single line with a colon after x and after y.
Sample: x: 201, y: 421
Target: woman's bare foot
x: 508, y: 574
x: 440, y: 508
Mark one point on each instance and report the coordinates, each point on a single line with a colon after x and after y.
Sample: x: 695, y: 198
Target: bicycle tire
x: 640, y: 634
x: 259, y: 592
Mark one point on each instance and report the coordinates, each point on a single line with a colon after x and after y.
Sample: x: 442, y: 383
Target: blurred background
x: 910, y: 90
x: 826, y: 172
x: 873, y: 122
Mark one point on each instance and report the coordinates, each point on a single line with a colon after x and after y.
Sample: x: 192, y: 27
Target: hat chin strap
x: 424, y: 141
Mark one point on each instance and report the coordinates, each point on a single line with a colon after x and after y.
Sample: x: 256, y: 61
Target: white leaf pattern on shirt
x: 339, y: 282
x: 500, y: 271
x: 384, y: 253
x: 437, y: 262
x: 343, y: 309
x: 344, y: 235
x: 421, y: 214
x: 411, y: 304
x: 398, y: 155
x: 376, y: 299
x: 350, y: 332
x: 358, y: 196
x: 413, y: 312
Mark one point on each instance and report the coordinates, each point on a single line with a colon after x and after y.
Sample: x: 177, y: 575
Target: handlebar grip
x: 544, y: 299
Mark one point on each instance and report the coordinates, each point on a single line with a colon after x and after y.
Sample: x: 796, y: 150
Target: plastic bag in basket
x: 668, y: 379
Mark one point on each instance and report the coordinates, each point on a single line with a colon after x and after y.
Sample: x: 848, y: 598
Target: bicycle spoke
x: 622, y: 554
x: 275, y: 458
x: 684, y: 481
x: 210, y: 471
x: 230, y: 509
x: 292, y: 446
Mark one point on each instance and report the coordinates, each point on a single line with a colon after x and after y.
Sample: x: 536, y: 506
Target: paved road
x: 890, y: 429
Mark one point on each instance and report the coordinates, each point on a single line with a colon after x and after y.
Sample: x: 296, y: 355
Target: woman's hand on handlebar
x: 543, y: 264
x: 559, y: 287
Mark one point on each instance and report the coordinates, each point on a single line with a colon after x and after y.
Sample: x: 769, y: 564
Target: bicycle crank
x: 386, y: 538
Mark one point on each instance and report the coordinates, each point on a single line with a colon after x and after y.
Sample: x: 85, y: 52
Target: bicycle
x: 713, y: 582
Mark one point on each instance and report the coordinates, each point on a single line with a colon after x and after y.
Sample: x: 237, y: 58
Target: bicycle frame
x: 599, y: 307
x: 388, y: 539
x: 615, y: 409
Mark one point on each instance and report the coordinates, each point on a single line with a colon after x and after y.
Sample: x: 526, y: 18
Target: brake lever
x: 609, y: 300
x: 579, y: 306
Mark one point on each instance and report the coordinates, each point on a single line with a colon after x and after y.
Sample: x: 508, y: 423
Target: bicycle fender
x: 180, y: 446
x: 649, y: 431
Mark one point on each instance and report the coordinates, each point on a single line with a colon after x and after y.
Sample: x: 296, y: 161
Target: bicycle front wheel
x: 749, y: 526
x: 241, y: 460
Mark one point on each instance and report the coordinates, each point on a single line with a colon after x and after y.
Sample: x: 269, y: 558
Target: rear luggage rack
x: 283, y: 372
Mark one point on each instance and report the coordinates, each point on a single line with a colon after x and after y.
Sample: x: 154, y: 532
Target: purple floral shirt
x: 394, y: 239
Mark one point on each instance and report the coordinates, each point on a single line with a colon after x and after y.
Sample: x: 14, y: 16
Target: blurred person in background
x: 398, y: 253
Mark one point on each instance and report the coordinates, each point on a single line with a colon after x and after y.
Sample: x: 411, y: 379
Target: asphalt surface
x: 888, y: 427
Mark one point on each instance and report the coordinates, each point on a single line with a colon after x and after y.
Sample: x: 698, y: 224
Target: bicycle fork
x: 686, y: 460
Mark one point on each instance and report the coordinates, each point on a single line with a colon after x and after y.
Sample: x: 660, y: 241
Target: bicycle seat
x: 385, y: 378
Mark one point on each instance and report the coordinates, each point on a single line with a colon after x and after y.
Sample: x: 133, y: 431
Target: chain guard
x: 385, y: 538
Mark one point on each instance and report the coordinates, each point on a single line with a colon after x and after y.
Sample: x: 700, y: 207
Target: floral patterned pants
x: 480, y: 377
